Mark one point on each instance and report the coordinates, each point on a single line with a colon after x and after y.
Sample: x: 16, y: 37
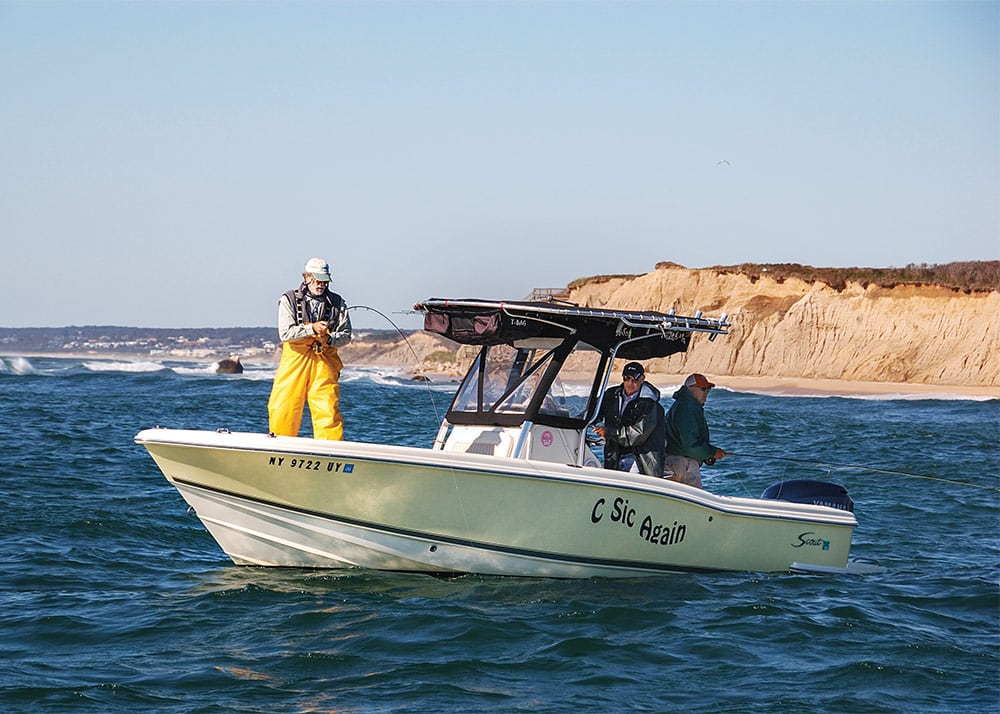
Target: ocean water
x: 116, y: 599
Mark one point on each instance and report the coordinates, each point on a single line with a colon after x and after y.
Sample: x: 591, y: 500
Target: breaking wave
x: 132, y: 367
x: 16, y: 365
x: 393, y: 376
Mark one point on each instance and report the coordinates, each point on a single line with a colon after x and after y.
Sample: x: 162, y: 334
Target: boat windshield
x: 505, y: 386
x: 569, y: 395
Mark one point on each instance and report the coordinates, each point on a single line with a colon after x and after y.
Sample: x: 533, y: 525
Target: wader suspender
x: 328, y: 310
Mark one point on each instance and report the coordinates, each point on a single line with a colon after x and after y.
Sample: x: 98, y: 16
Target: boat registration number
x: 311, y: 464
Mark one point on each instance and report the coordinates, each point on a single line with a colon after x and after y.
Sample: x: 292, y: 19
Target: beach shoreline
x: 770, y: 385
x: 802, y: 386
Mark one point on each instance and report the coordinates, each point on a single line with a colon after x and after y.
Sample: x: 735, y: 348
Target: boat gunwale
x: 747, y: 507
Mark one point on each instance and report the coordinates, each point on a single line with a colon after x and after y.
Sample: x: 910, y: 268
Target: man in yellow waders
x: 312, y: 323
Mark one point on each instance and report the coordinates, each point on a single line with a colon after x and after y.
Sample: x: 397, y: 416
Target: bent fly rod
x: 416, y: 357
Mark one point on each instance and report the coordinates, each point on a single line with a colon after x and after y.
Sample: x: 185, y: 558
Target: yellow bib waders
x: 304, y: 374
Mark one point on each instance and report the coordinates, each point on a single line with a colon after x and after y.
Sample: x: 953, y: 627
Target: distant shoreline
x: 800, y: 386
x: 775, y: 386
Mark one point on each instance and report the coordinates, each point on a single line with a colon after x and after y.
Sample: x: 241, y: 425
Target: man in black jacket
x: 634, y: 428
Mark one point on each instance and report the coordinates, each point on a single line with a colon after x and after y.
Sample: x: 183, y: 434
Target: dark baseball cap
x: 633, y: 369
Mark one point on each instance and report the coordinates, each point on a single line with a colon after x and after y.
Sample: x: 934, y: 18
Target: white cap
x: 319, y: 269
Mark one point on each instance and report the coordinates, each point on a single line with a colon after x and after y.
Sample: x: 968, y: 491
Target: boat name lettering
x: 811, y: 539
x: 649, y: 530
x: 662, y: 533
x: 311, y: 464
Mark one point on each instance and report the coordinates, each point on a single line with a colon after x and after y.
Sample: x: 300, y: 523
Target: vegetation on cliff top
x: 607, y: 278
x: 967, y: 276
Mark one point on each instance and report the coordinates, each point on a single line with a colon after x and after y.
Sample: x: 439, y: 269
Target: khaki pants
x: 305, y: 374
x: 682, y: 469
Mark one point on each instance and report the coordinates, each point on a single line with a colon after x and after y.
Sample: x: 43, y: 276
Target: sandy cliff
x: 790, y: 329
x: 419, y: 352
x: 919, y: 335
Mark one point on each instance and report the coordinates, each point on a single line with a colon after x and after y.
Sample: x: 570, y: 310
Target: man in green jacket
x: 688, y: 445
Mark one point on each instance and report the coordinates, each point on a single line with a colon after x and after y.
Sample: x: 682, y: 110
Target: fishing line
x: 416, y: 357
x: 430, y: 392
x: 830, y: 465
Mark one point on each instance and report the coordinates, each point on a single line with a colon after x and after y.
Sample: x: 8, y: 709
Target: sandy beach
x: 801, y: 386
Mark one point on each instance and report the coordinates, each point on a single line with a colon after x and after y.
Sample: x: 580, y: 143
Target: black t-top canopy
x: 637, y: 334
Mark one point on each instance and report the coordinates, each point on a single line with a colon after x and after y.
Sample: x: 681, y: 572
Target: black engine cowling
x: 818, y: 493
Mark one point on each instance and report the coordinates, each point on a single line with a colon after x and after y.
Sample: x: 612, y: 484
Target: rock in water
x: 230, y: 365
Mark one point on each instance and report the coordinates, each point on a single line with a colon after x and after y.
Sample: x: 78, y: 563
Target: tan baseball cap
x: 319, y: 269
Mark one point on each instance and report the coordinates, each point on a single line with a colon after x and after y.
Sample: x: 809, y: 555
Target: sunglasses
x: 626, y: 378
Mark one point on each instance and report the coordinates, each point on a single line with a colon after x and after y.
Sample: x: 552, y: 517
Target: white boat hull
x: 282, y: 501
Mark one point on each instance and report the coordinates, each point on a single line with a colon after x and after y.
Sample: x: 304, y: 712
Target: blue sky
x: 174, y: 164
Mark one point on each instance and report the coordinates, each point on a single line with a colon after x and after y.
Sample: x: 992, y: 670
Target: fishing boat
x: 512, y: 483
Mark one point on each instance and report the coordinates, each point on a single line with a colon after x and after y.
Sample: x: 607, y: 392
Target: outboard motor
x: 817, y: 493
